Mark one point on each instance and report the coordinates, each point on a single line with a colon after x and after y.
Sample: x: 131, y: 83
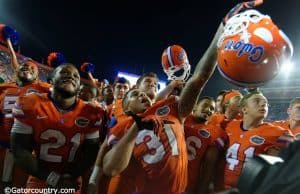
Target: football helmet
x: 175, y: 63
x: 252, y: 49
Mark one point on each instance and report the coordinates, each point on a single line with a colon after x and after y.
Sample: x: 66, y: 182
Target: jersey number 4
x: 60, y: 142
x: 232, y: 155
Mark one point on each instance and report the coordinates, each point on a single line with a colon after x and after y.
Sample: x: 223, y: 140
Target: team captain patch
x: 163, y: 111
x: 82, y: 122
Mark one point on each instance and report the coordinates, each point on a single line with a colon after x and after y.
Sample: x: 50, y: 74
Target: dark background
x: 130, y: 35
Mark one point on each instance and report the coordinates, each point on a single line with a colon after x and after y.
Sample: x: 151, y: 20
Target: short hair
x: 150, y: 74
x: 294, y: 101
x: 106, y: 87
x: 230, y: 94
x: 60, y: 67
x: 126, y: 98
x: 91, y: 88
x: 222, y: 92
x: 121, y: 80
x: 205, y: 98
x: 247, y: 96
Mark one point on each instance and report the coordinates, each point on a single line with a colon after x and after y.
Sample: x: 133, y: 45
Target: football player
x: 152, y: 145
x: 205, y: 145
x: 293, y: 123
x: 61, y: 129
x: 252, y: 136
x: 26, y: 82
x: 230, y: 106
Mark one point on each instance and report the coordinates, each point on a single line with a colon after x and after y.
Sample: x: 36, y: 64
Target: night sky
x: 130, y: 35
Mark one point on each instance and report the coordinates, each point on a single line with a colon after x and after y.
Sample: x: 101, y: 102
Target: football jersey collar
x: 72, y: 107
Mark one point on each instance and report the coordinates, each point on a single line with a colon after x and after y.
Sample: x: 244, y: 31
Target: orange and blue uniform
x: 245, y: 144
x: 159, y: 162
x: 9, y: 93
x: 198, y: 138
x: 57, y: 135
x: 286, y: 125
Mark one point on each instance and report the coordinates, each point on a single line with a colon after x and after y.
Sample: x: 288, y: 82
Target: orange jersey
x: 162, y: 157
x: 286, y: 125
x: 244, y: 144
x: 57, y: 136
x: 198, y: 138
x: 9, y: 94
x: 118, y: 110
x: 115, y: 112
x: 218, y: 119
x: 124, y: 182
x: 115, y: 109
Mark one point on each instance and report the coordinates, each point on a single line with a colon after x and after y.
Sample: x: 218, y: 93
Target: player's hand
x: 177, y: 83
x: 156, y: 122
x: 148, y: 125
x: 240, y: 8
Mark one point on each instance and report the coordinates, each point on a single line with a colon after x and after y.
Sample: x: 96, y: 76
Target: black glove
x: 240, y: 8
x: 138, y: 120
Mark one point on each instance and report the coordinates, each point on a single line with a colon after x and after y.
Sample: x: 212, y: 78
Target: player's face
x: 67, y: 81
x: 294, y: 112
x: 256, y: 107
x: 233, y: 107
x: 120, y: 90
x: 87, y: 93
x: 219, y: 100
x: 27, y: 73
x: 137, y: 101
x: 149, y: 86
x: 204, y: 109
x: 108, y: 95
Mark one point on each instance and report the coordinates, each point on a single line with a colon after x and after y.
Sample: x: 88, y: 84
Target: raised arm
x: 165, y: 93
x: 117, y: 159
x: 14, y: 62
x: 202, y: 73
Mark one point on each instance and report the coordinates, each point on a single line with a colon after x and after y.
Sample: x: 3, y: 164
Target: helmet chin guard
x: 181, y: 72
x: 240, y: 23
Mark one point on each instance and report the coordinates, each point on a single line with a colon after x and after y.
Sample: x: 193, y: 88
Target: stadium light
x: 133, y: 78
x: 286, y: 68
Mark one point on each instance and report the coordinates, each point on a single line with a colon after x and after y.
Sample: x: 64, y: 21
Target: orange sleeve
x: 5, y: 86
x: 118, y: 131
x: 216, y: 119
x: 44, y: 87
x: 218, y: 137
x: 278, y: 136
